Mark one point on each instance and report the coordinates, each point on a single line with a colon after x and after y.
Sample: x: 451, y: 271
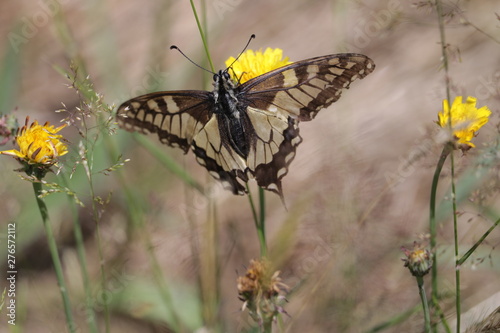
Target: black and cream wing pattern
x: 246, y: 131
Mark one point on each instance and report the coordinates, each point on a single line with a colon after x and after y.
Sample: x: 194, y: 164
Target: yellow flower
x: 466, y: 119
x: 251, y: 64
x: 38, y: 144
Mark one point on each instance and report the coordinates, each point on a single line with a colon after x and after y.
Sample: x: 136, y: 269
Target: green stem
x: 203, y: 38
x: 259, y: 221
x: 432, y: 223
x: 37, y: 187
x: 455, y: 233
x: 425, y: 304
x: 457, y: 296
x: 267, y: 326
x: 432, y: 218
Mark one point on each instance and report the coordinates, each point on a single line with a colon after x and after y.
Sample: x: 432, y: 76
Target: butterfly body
x: 249, y: 130
x: 231, y: 112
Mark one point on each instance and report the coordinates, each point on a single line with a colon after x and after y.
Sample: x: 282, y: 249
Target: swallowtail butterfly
x: 249, y: 130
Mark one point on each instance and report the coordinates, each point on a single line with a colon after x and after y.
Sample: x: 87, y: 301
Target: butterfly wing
x: 303, y: 88
x: 185, y: 119
x: 279, y: 99
x: 273, y: 148
x: 176, y: 116
x: 213, y: 151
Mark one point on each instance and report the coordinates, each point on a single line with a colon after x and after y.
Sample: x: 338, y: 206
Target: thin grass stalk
x: 259, y: 222
x: 440, y: 17
x: 202, y: 34
x: 194, y: 240
x: 80, y: 249
x: 442, y: 316
x: 206, y: 80
x: 37, y: 187
x: 69, y: 44
x: 88, y: 166
x: 209, y: 278
x: 479, y: 242
x: 101, y: 256
x: 210, y: 269
x: 204, y: 21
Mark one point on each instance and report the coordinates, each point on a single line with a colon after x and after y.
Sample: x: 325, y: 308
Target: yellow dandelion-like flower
x: 38, y: 144
x: 251, y: 64
x: 466, y: 119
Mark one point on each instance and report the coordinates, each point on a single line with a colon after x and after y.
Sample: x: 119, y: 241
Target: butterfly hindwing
x: 272, y: 142
x: 273, y: 148
x: 213, y: 151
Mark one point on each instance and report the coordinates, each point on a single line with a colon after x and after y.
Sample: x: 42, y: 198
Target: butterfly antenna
x: 239, y: 55
x: 185, y: 56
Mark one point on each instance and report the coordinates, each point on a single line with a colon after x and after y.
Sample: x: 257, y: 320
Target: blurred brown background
x: 346, y: 218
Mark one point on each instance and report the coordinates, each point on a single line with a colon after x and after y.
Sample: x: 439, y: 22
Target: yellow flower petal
x: 251, y: 64
x: 466, y: 119
x: 38, y: 144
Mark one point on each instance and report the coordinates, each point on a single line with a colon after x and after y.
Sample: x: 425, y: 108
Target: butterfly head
x: 223, y: 81
x: 223, y: 75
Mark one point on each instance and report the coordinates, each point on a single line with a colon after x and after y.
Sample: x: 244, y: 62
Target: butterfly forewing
x: 251, y: 130
x: 175, y: 116
x: 303, y: 88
